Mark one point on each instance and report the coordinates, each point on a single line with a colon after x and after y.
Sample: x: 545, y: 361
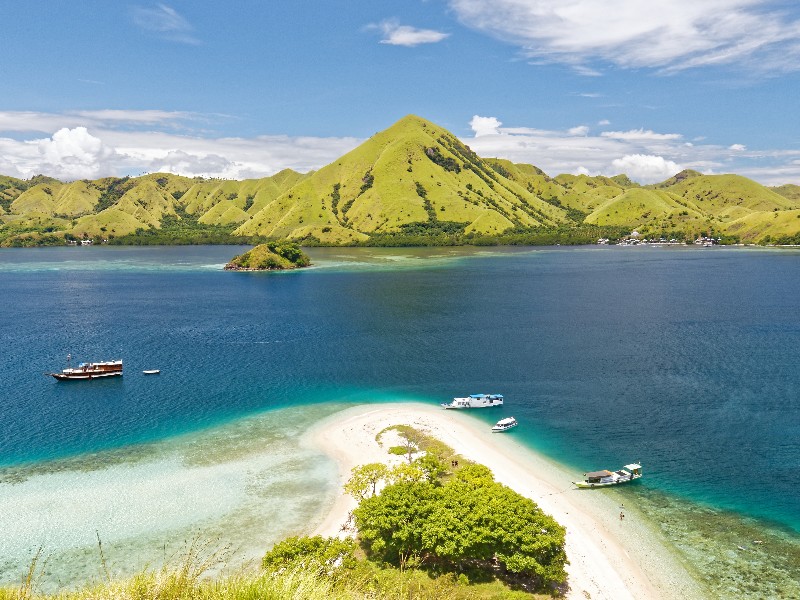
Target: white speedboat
x: 476, y: 401
x: 595, y: 479
x: 505, y: 425
x: 151, y: 372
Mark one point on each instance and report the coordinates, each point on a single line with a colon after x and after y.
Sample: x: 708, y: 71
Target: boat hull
x: 502, y: 429
x: 585, y: 485
x: 84, y: 376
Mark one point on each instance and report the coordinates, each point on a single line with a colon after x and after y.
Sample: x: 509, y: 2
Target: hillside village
x: 413, y: 183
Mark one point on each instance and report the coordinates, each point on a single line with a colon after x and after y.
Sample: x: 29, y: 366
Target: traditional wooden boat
x: 92, y: 370
x: 476, y: 401
x: 505, y: 425
x: 605, y: 478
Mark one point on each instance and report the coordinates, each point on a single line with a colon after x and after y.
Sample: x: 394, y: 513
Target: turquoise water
x: 683, y: 358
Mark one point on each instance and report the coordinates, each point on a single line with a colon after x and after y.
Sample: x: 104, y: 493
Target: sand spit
x: 609, y: 558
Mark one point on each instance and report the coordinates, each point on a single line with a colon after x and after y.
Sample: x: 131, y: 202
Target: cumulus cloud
x: 395, y: 34
x: 737, y: 147
x: 668, y: 35
x: 74, y: 154
x: 485, y: 125
x: 165, y: 22
x: 91, y: 144
x: 646, y: 168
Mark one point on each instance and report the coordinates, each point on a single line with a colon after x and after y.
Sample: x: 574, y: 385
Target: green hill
x: 790, y: 191
x: 412, y: 173
x: 413, y: 183
x: 645, y: 210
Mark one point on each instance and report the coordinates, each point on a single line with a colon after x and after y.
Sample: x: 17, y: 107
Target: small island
x: 272, y: 256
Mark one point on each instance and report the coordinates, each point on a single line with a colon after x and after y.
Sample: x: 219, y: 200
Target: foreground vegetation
x: 414, y: 183
x: 435, y: 527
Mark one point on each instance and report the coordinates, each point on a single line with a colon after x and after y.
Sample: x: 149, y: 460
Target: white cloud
x: 668, y: 35
x: 604, y: 122
x: 165, y: 22
x: 74, y: 154
x: 640, y: 134
x: 646, y: 168
x: 737, y: 147
x: 105, y: 143
x: 395, y: 34
x: 645, y: 155
x: 485, y: 125
x: 579, y: 130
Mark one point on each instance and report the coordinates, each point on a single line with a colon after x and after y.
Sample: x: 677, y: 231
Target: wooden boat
x: 604, y: 478
x: 96, y: 370
x: 152, y: 371
x: 476, y: 401
x: 505, y: 425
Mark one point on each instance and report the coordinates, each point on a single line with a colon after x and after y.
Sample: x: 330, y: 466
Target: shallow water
x: 680, y: 358
x: 241, y: 486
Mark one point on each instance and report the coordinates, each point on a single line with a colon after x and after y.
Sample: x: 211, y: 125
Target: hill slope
x: 412, y: 173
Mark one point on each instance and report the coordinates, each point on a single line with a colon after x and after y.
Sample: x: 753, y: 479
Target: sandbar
x: 609, y: 558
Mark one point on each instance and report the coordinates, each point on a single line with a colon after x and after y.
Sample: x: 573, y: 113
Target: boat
x: 152, y: 371
x: 91, y: 370
x: 476, y: 401
x: 504, y: 425
x: 604, y: 478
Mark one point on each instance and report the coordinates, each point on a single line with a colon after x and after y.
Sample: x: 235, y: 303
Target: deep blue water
x: 685, y: 359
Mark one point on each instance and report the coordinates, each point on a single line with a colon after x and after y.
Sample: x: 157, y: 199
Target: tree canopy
x: 470, y: 522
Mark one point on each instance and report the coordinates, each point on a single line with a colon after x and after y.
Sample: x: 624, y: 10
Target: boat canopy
x: 594, y: 474
x: 507, y: 421
x: 633, y: 466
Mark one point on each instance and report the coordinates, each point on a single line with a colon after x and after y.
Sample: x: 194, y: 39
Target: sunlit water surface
x: 684, y: 359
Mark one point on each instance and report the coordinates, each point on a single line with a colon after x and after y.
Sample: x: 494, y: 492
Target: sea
x: 686, y: 359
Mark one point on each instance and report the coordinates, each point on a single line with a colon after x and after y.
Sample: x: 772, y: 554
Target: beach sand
x: 609, y: 558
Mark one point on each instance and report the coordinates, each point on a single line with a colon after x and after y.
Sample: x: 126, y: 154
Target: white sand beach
x: 609, y: 558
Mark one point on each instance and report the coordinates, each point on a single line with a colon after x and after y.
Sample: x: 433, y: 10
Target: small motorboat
x: 505, y: 425
x: 152, y: 372
x: 594, y: 479
x: 476, y: 401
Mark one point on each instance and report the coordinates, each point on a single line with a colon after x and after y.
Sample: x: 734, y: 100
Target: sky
x: 245, y: 89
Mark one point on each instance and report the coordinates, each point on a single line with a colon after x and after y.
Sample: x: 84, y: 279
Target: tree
x: 431, y: 467
x: 471, y: 522
x: 325, y: 552
x: 406, y: 474
x: 365, y: 477
x: 391, y: 525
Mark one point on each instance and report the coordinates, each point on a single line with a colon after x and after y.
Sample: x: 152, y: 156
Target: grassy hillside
x: 647, y: 209
x: 790, y: 191
x: 413, y: 183
x: 412, y: 173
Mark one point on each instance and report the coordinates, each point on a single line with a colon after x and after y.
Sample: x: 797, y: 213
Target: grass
x: 189, y: 578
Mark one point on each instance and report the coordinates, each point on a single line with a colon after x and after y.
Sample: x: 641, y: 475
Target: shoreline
x: 609, y: 558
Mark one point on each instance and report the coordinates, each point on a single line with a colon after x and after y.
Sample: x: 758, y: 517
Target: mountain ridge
x: 414, y: 176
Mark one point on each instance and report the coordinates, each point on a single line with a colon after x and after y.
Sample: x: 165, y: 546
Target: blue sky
x: 245, y: 89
